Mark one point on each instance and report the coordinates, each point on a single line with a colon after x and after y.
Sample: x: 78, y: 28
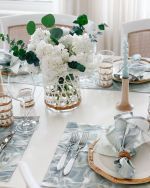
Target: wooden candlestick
x: 124, y: 105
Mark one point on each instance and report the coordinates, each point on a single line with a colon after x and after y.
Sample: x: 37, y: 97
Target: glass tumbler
x: 106, y: 68
x: 6, y: 114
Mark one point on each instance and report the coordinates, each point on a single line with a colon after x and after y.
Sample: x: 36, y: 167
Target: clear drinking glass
x: 25, y: 95
x: 6, y: 114
x: 106, y: 68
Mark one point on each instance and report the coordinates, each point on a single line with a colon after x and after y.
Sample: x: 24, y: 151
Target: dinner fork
x: 81, y: 145
x: 73, y: 140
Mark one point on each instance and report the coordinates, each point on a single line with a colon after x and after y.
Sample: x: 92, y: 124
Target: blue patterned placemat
x: 12, y: 153
x: 86, y: 81
x: 81, y: 176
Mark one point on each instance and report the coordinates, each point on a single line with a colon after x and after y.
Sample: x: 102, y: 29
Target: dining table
x: 98, y: 107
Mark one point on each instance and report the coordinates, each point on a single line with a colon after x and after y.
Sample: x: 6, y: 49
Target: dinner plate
x: 103, y: 165
x: 117, y: 67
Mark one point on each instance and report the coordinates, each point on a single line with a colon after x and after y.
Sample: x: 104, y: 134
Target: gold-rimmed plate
x: 117, y: 68
x: 103, y: 165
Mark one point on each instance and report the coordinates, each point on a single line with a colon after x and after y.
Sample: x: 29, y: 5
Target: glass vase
x: 62, y: 93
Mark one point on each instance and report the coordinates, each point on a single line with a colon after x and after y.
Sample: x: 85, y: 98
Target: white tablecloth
x: 97, y: 107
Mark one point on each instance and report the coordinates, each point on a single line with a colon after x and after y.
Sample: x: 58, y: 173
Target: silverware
x: 81, y: 145
x: 5, y: 141
x: 73, y: 140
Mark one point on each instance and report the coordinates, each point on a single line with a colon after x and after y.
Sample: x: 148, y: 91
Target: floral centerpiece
x: 61, y: 53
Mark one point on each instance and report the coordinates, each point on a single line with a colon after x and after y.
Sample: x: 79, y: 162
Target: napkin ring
x: 124, y: 154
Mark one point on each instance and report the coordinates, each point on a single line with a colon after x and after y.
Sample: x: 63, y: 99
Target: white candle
x: 125, y: 72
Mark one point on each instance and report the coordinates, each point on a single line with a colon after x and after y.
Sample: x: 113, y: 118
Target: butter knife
x: 5, y: 141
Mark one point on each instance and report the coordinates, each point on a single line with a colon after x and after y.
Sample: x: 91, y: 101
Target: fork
x: 81, y: 145
x: 72, y: 141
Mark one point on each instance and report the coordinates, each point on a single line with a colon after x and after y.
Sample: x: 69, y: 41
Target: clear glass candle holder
x: 106, y: 68
x: 6, y: 114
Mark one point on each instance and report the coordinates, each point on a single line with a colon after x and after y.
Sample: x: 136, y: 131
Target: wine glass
x: 25, y: 95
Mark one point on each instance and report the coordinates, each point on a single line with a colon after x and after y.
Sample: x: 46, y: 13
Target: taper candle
x: 125, y: 72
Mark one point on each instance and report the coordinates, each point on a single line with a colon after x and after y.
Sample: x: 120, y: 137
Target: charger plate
x: 146, y: 76
x: 103, y: 165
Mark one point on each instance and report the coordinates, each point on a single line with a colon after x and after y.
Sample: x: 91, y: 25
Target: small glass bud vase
x: 148, y: 116
x: 6, y: 114
x: 63, y: 93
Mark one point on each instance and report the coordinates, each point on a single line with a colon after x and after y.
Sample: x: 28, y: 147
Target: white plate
x: 104, y: 165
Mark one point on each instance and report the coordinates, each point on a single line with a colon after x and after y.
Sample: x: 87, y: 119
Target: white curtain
x: 112, y: 12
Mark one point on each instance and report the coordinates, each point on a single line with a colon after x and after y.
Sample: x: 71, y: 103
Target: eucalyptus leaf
x: 76, y: 65
x: 22, y: 54
x: 48, y: 20
x: 102, y: 26
x: 31, y: 27
x: 54, y: 40
x: 56, y: 33
x: 81, y: 20
x: 32, y: 58
x: 20, y: 42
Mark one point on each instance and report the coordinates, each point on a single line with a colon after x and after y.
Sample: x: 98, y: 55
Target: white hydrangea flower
x: 82, y: 44
x: 67, y: 41
x: 38, y: 36
x: 54, y: 58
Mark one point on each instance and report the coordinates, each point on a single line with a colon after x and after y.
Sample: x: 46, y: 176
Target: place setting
x: 98, y: 155
x: 139, y: 69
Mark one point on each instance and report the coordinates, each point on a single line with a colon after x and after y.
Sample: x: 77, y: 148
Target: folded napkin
x: 122, y: 141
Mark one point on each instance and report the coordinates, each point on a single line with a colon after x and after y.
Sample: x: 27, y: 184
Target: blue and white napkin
x: 122, y: 141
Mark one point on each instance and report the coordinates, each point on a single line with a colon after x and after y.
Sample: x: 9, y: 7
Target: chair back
x: 138, y: 36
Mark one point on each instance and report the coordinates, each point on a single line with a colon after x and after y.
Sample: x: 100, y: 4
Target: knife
x: 5, y: 141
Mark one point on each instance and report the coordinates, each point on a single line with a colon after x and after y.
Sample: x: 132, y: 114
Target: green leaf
x: 81, y: 20
x: 22, y: 54
x: 32, y: 58
x: 102, y: 26
x: 15, y: 53
x: 20, y: 42
x: 80, y: 67
x: 54, y: 40
x: 14, y: 48
x: 48, y: 20
x: 56, y: 33
x: 31, y: 27
x: 76, y: 65
x: 76, y: 30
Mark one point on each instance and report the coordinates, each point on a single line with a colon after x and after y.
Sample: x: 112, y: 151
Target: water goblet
x: 25, y: 95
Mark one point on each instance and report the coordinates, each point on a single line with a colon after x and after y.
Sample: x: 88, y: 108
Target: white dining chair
x: 138, y: 35
x: 27, y: 176
x: 15, y: 26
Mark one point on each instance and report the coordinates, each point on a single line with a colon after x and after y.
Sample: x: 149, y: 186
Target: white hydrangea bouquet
x: 61, y: 53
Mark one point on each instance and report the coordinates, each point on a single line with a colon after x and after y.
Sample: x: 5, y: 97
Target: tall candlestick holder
x: 124, y: 104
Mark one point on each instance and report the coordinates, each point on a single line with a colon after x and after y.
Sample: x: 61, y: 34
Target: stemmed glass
x: 25, y: 95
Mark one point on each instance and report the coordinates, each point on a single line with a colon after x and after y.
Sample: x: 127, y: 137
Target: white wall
x: 28, y: 6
